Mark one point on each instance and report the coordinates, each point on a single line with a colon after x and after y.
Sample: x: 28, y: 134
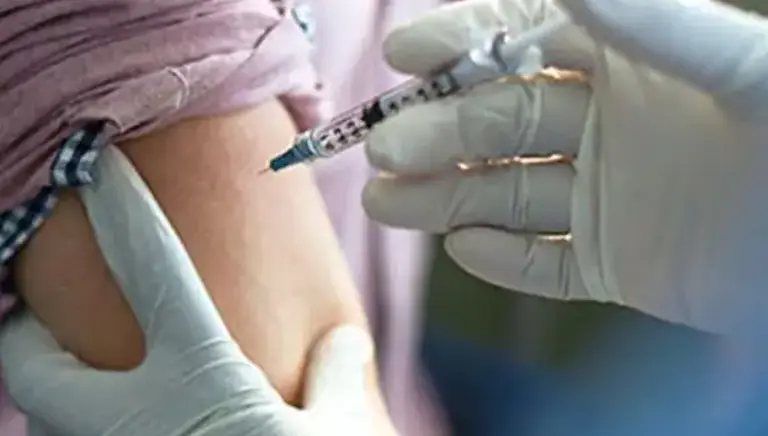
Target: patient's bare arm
x: 263, y: 246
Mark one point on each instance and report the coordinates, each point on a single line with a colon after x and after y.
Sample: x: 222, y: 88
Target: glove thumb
x: 338, y: 369
x: 437, y: 38
x: 715, y: 47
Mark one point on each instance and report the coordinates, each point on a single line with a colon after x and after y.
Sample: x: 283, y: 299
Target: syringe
x: 498, y: 56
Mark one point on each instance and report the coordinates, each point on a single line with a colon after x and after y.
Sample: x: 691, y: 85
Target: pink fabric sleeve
x: 141, y: 65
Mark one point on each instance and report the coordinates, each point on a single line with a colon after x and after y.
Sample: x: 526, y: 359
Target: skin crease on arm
x: 263, y: 245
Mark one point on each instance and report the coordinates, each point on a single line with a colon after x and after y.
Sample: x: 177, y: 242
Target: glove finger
x: 531, y: 198
x: 43, y: 379
x: 28, y: 349
x: 495, y: 120
x: 148, y: 259
x: 526, y: 263
x: 440, y: 36
x: 338, y: 370
x: 714, y: 46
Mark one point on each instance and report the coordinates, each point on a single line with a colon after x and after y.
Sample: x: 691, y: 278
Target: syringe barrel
x: 500, y: 55
x: 354, y: 126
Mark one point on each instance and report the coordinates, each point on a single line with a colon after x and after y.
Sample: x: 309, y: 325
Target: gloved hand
x: 662, y: 203
x: 195, y: 379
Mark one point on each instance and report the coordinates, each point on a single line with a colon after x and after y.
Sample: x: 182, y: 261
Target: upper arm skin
x: 263, y: 246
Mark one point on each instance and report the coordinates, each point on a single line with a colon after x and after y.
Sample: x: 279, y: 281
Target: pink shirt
x: 388, y: 264
x: 215, y: 56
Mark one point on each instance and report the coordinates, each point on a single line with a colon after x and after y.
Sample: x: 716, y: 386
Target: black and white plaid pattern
x: 72, y: 166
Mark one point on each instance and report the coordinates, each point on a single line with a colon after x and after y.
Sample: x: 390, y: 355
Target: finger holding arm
x: 185, y: 335
x: 149, y: 263
x: 42, y: 379
x: 147, y: 258
x: 336, y: 390
x: 183, y: 330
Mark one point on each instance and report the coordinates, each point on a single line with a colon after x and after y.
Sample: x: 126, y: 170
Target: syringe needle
x: 264, y: 171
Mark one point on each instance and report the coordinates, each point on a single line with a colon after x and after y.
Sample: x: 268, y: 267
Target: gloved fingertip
x: 470, y: 244
x: 420, y: 140
x: 544, y: 266
x: 350, y: 344
x: 339, y: 367
x: 410, y: 51
x: 380, y: 151
x: 395, y: 49
x: 371, y: 200
x: 439, y: 36
x: 386, y: 200
x: 494, y: 256
x: 25, y: 333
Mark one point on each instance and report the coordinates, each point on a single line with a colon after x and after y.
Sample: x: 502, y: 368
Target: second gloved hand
x: 195, y: 379
x: 665, y: 148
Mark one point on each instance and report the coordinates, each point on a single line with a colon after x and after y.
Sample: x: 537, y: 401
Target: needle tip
x: 264, y: 171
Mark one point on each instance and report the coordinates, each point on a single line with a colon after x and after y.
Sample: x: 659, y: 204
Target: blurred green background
x: 530, y: 330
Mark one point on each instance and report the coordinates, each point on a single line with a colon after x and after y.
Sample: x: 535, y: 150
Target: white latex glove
x: 664, y: 202
x: 195, y: 379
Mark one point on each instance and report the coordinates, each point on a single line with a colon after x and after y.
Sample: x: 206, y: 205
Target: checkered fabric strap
x: 72, y: 167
